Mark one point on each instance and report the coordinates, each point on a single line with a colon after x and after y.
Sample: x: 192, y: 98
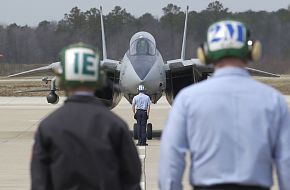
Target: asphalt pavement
x: 20, y: 117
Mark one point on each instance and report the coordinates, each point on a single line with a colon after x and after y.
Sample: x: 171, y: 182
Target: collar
x: 83, y: 93
x: 231, y: 71
x: 83, y: 99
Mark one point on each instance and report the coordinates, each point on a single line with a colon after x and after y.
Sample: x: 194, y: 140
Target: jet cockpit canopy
x: 142, y: 43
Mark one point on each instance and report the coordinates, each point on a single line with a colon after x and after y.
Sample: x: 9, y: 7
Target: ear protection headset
x: 253, y: 48
x: 80, y: 66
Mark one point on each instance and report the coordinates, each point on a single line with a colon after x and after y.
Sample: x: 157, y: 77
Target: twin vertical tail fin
x: 103, y: 35
x: 183, y: 48
x: 106, y: 63
x: 184, y: 36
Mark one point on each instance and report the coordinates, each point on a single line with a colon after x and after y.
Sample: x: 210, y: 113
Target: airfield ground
x: 20, y: 117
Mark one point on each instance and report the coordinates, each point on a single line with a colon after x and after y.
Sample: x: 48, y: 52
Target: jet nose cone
x: 142, y: 65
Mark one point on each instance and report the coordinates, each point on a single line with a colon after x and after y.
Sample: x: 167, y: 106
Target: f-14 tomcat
x: 143, y: 64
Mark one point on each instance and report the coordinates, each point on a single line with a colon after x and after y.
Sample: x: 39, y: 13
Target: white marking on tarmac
x: 142, y: 156
x: 34, y: 120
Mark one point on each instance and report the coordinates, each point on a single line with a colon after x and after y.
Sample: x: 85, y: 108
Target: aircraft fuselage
x: 142, y: 64
x: 148, y: 71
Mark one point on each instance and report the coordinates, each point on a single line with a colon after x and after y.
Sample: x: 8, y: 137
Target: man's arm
x: 174, y: 146
x: 130, y: 165
x: 40, y: 175
x: 282, y: 149
x: 148, y: 107
x: 148, y: 110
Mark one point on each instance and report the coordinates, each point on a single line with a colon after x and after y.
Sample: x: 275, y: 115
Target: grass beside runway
x: 8, y: 87
x: 282, y: 83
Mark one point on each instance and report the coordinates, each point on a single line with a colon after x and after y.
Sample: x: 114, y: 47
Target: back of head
x: 228, y: 39
x: 80, y: 68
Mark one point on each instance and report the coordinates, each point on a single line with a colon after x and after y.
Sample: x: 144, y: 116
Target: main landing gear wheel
x: 149, y: 131
x: 135, y: 131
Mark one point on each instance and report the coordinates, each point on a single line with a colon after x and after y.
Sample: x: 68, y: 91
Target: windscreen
x: 142, y: 46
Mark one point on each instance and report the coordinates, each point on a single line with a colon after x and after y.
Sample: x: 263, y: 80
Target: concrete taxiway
x: 19, y: 120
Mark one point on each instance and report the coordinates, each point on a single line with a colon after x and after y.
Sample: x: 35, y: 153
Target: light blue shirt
x: 234, y: 127
x: 141, y: 101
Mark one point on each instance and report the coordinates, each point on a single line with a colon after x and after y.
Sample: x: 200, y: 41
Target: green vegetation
x: 41, y: 44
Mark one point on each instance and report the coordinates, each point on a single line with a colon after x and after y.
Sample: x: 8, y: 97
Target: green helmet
x: 228, y: 39
x: 80, y: 66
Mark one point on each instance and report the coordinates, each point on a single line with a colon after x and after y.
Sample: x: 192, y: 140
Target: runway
x: 19, y: 120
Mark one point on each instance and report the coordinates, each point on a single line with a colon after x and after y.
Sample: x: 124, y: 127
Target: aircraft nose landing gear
x: 52, y: 97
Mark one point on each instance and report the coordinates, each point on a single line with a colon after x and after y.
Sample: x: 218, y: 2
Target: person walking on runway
x: 141, y: 108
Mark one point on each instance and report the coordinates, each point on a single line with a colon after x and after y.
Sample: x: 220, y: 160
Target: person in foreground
x: 234, y: 127
x: 141, y: 108
x: 82, y: 145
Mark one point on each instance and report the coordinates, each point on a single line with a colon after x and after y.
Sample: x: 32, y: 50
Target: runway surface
x: 19, y: 120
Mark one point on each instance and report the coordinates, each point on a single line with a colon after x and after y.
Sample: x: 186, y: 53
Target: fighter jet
x: 142, y: 64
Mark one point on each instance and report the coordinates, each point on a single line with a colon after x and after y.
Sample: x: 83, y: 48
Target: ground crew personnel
x: 141, y: 108
x: 83, y: 145
x: 233, y: 126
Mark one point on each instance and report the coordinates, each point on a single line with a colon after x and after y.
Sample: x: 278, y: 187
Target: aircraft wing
x: 177, y: 64
x: 256, y: 72
x: 45, y: 69
x: 33, y: 90
x: 180, y: 64
x: 107, y: 64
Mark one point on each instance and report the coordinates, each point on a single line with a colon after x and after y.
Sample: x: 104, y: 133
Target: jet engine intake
x: 110, y: 95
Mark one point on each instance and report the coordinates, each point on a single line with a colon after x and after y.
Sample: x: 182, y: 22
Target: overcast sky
x: 31, y: 12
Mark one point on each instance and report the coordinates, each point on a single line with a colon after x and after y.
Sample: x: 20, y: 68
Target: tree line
x: 41, y: 44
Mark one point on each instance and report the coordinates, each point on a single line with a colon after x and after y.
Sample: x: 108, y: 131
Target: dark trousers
x: 141, y: 116
x: 229, y: 187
